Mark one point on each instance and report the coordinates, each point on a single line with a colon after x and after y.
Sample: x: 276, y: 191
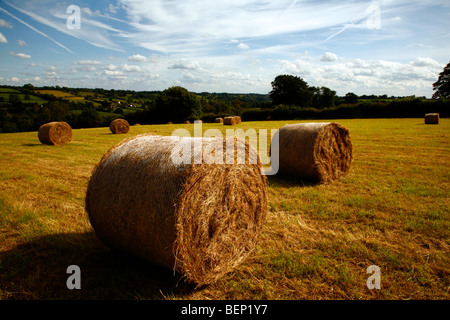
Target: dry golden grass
x: 391, y: 210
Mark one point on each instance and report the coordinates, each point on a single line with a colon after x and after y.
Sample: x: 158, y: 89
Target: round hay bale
x: 187, y: 122
x: 137, y: 124
x: 238, y: 119
x: 320, y: 152
x: 432, y: 118
x: 170, y: 122
x: 199, y: 219
x: 218, y: 120
x: 119, y: 126
x: 229, y: 121
x: 55, y: 133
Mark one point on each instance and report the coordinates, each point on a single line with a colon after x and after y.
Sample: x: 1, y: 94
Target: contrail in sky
x: 35, y: 30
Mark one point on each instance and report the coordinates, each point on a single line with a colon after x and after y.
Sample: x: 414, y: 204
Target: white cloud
x: 15, y: 79
x: 113, y: 72
x: 20, y: 55
x: 111, y: 67
x: 88, y: 62
x: 366, y: 76
x: 2, y: 38
x: 328, y: 57
x: 112, y: 9
x: 243, y: 46
x: 130, y: 68
x: 87, y: 11
x: 22, y: 43
x: 137, y: 57
x: 5, y: 24
x: 36, y: 79
x: 185, y: 65
x: 50, y: 74
x: 425, y: 62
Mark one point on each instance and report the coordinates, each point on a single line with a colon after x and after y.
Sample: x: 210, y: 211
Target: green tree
x: 14, y: 98
x: 58, y: 110
x: 89, y: 117
x: 442, y: 85
x: 323, y: 97
x: 350, y: 97
x: 177, y: 104
x: 290, y: 90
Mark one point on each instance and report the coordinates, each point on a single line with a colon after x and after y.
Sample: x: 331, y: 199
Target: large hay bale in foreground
x: 218, y: 120
x: 432, y: 118
x: 238, y: 119
x: 320, y: 152
x: 199, y: 219
x: 119, y: 126
x: 230, y: 121
x: 55, y: 133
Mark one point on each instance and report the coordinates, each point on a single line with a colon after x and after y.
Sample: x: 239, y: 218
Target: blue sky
x: 392, y: 47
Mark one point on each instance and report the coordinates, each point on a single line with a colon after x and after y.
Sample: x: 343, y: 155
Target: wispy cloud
x: 20, y: 55
x: 5, y: 24
x: 2, y: 38
x: 22, y: 43
x: 198, y: 26
x: 92, y: 31
x: 34, y: 29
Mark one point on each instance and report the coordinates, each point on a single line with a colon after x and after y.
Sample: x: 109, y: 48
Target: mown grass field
x: 391, y: 210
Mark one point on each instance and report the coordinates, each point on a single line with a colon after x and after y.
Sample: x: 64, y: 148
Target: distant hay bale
x: 187, y: 122
x: 55, y: 133
x: 219, y: 120
x: 432, y: 118
x: 119, y: 126
x: 320, y: 152
x: 137, y: 124
x: 199, y: 219
x: 229, y: 121
x: 170, y: 122
x: 238, y: 119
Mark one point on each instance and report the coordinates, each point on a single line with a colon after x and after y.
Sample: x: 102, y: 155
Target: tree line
x: 290, y: 98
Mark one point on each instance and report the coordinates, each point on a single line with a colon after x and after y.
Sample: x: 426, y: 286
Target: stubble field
x: 391, y: 210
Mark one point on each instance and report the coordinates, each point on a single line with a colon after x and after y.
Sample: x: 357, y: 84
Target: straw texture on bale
x: 231, y: 121
x: 55, y: 133
x: 219, y: 120
x: 238, y: 119
x: 187, y: 122
x: 320, y: 152
x: 432, y: 118
x: 200, y: 219
x: 119, y: 126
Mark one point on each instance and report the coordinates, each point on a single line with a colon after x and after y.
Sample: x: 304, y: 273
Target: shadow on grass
x: 31, y: 144
x: 285, y: 181
x: 38, y: 270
